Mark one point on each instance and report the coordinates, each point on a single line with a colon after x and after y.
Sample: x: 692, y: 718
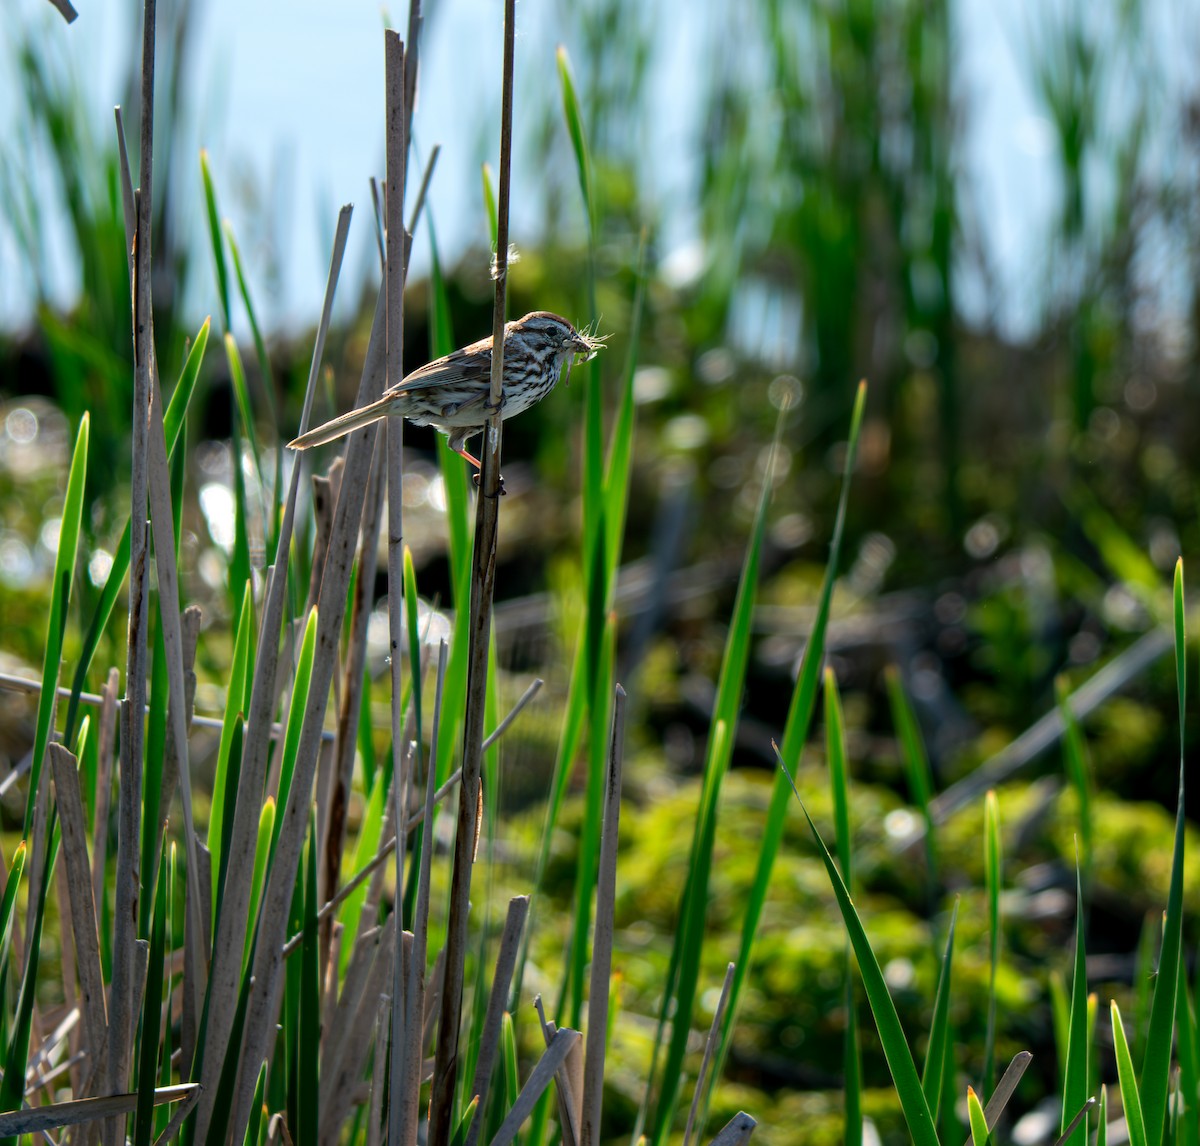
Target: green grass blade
x: 795, y: 733
x: 689, y: 936
x: 489, y: 205
x: 835, y: 748
x: 992, y: 869
x: 256, y: 1109
x: 1156, y: 1064
x: 215, y: 239
x: 234, y: 713
x: 262, y: 852
x: 916, y: 768
x: 1189, y: 1067
x: 458, y: 525
x: 366, y: 850
x: 308, y: 1051
x: 1075, y: 1077
x: 620, y: 451
x: 938, y: 1050
x: 1130, y: 1099
x: 241, y: 394
x: 470, y: 1111
x: 979, y: 1129
x: 589, y: 832
x: 895, y: 1046
x: 260, y: 347
x: 414, y: 647
x: 1102, y: 1125
x: 16, y: 1059
x: 173, y: 423
x: 60, y: 600
x: 156, y: 734
x: 152, y: 1010
x: 574, y: 118
x: 268, y: 388
x: 291, y: 739
x: 852, y: 1063
x: 9, y: 902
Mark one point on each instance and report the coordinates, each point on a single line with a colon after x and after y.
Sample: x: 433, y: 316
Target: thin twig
x: 133, y: 734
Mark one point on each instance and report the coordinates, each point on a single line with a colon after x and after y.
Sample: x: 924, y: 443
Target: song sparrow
x: 453, y: 393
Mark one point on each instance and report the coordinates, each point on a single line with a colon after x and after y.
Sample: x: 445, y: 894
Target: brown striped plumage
x: 452, y: 393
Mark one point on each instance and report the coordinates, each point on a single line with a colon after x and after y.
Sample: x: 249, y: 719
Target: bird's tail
x: 342, y: 425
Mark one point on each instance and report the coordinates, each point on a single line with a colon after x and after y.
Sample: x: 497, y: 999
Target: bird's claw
x: 500, y: 492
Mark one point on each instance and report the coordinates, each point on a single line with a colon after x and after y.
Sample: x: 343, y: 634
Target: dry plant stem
x: 84, y: 1110
x: 539, y: 1078
x: 348, y: 1060
x: 1005, y: 1088
x: 350, y: 707
x: 127, y: 881
x: 190, y: 620
x: 506, y: 961
x: 410, y: 1049
x: 710, y: 1045
x: 393, y: 207
x: 158, y: 480
x: 737, y: 1131
x: 602, y: 941
x: 324, y: 497
x: 383, y: 1018
x: 65, y: 773
x: 266, y: 990
x: 231, y: 931
x: 483, y: 578
x: 107, y: 732
x: 568, y: 1081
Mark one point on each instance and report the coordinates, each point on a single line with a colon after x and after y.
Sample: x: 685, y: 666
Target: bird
x: 453, y: 394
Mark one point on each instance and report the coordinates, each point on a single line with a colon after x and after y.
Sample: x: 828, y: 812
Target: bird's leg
x: 479, y: 470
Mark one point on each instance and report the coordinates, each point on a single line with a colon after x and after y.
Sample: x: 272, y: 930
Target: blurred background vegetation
x: 1026, y: 478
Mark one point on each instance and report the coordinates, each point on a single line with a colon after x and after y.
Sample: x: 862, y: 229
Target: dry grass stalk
x: 409, y: 1043
x: 506, y: 961
x: 350, y: 707
x: 65, y: 773
x: 128, y: 876
x: 737, y: 1131
x: 104, y: 768
x: 539, y: 1078
x: 231, y: 934
x: 45, y: 1118
x: 396, y: 121
x: 710, y: 1047
x: 568, y: 1080
x: 266, y: 990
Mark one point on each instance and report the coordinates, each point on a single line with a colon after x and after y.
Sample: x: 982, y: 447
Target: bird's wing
x: 471, y: 364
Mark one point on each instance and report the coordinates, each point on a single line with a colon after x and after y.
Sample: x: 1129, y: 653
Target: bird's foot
x: 500, y: 492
